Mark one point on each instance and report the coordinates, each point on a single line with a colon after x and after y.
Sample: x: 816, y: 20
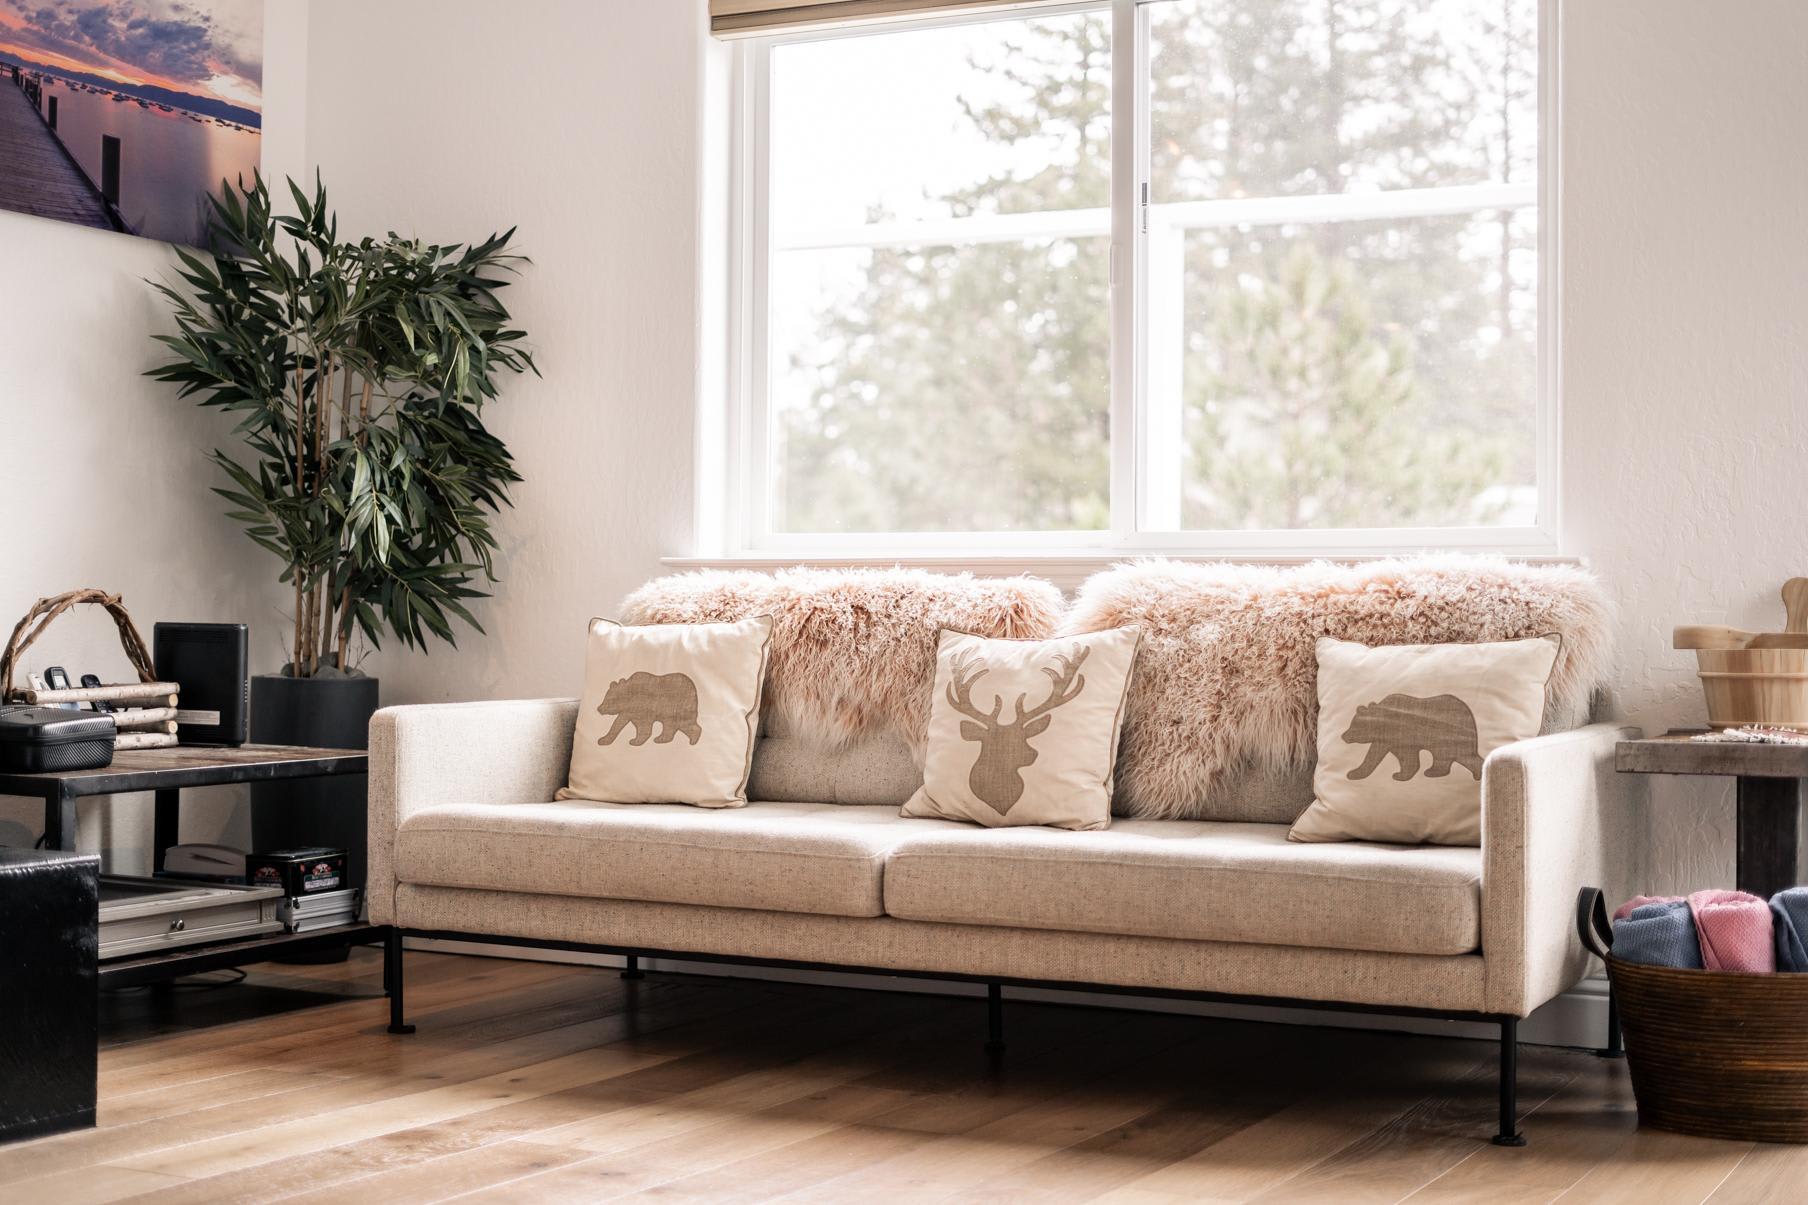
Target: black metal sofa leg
x: 392, y: 976
x: 632, y: 968
x: 994, y: 1018
x: 1509, y: 1085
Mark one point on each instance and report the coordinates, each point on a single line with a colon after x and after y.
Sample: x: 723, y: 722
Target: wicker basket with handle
x: 146, y: 727
x: 1720, y: 1054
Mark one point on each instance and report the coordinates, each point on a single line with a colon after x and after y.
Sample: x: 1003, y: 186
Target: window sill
x: 1066, y: 570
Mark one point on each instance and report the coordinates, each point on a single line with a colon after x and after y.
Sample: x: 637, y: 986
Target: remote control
x: 93, y: 680
x: 58, y: 678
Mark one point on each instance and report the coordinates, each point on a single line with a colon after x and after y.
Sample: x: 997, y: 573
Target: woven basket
x: 41, y: 615
x: 1719, y: 1054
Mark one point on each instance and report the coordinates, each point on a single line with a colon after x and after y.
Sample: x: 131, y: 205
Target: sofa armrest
x: 1548, y: 806
x: 515, y: 751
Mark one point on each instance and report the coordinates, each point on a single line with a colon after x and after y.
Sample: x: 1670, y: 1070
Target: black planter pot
x: 329, y: 712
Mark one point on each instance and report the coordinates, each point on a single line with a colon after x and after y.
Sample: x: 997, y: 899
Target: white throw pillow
x: 1403, y: 731
x: 669, y: 713
x: 1025, y: 731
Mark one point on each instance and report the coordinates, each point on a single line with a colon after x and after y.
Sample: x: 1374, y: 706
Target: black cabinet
x: 49, y: 945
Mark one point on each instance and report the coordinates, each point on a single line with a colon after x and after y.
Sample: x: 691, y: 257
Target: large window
x: 1137, y: 274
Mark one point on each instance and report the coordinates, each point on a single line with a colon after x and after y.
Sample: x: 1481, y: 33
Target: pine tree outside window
x: 1182, y: 275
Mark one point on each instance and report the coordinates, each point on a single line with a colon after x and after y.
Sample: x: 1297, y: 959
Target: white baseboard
x: 1576, y: 1018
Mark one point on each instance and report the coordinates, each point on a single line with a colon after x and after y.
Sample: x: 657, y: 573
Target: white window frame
x: 734, y: 519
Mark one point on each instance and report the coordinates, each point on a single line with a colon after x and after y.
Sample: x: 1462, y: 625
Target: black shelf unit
x: 165, y: 772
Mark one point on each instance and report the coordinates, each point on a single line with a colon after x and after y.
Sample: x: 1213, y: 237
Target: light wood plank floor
x: 541, y: 1083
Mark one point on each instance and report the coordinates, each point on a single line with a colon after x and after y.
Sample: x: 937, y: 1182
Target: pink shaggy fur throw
x: 1228, y: 673
x: 853, y: 650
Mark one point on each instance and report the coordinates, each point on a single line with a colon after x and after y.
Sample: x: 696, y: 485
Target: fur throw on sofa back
x: 853, y: 650
x: 1227, y: 678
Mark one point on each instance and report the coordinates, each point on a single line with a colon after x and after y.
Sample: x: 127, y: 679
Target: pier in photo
x: 41, y: 178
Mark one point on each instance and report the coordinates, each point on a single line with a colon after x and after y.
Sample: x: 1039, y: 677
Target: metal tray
x: 139, y: 916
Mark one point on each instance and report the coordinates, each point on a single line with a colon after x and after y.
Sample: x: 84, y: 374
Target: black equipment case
x: 299, y: 872
x: 37, y: 740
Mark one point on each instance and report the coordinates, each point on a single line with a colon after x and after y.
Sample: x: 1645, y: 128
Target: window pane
x: 1271, y: 98
x: 942, y: 388
x: 1321, y: 372
x: 1361, y: 374
x: 938, y: 305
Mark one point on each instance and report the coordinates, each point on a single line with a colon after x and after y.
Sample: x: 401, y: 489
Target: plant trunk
x: 313, y: 627
x: 345, y: 405
x: 304, y: 627
x: 300, y: 624
x: 323, y: 406
x: 345, y: 624
x: 323, y: 636
x: 301, y: 428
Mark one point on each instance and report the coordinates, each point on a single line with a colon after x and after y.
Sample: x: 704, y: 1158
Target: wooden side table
x: 1769, y: 780
x: 165, y: 772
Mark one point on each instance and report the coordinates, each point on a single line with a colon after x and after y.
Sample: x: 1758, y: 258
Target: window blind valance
x: 754, y: 18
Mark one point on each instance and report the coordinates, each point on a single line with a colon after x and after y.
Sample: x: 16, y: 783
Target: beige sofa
x: 466, y: 841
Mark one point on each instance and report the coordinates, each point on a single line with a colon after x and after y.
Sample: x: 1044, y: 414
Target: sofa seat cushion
x: 783, y: 857
x: 1192, y: 879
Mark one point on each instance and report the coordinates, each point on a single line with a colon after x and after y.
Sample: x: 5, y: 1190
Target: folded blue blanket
x: 1658, y: 935
x: 1789, y: 918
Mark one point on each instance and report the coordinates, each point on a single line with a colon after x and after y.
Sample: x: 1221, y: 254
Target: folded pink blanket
x: 1639, y: 901
x: 1735, y: 931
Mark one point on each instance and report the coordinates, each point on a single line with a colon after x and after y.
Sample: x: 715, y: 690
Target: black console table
x: 1770, y: 791
x: 165, y: 772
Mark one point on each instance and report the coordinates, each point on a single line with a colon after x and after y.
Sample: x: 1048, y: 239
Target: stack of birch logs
x: 144, y: 711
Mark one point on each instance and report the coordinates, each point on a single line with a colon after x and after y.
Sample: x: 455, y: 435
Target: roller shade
x: 752, y: 18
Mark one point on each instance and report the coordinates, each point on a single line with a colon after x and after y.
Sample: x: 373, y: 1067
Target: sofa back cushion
x: 1221, y: 720
x: 875, y: 767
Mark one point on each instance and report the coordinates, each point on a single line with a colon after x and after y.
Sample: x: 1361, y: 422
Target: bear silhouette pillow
x: 1403, y: 731
x: 1025, y: 731
x: 669, y: 713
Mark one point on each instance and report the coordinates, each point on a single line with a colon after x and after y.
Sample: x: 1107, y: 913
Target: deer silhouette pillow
x: 669, y: 713
x: 1025, y: 731
x: 1403, y: 731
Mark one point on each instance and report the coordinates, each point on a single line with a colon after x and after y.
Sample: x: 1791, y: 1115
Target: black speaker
x: 207, y: 662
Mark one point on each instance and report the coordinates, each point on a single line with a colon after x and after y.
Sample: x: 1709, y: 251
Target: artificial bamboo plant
x: 359, y: 371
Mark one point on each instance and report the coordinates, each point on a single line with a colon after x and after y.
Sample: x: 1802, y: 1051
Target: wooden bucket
x: 1755, y: 677
x: 1718, y: 1054
x: 1755, y: 686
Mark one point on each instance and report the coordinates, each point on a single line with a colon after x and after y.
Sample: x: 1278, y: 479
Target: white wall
x: 576, y: 121
x: 1685, y: 303
x: 106, y: 473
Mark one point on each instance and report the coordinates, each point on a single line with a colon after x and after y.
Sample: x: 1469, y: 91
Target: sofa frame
x: 1508, y: 1133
